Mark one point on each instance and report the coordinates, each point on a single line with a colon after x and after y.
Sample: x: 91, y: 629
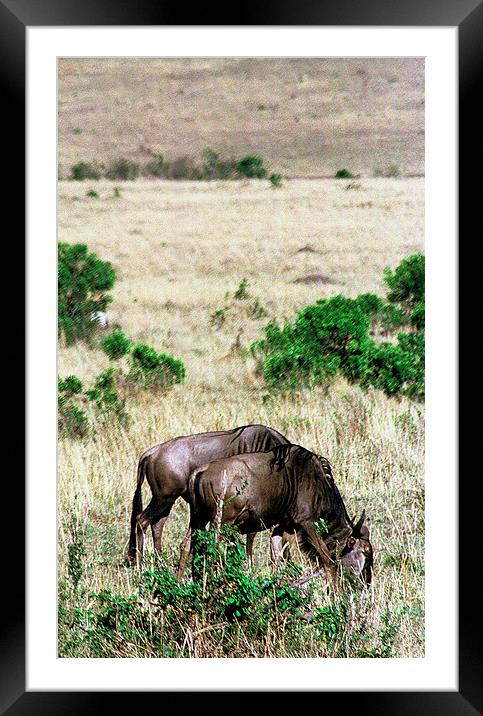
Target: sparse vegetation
x: 212, y: 166
x: 391, y: 171
x: 375, y: 442
x: 86, y: 170
x: 275, y: 180
x: 125, y: 169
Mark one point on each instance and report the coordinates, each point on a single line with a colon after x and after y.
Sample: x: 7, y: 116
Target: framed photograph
x: 227, y: 233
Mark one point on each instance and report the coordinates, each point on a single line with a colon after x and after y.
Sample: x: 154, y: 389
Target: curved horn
x: 357, y: 527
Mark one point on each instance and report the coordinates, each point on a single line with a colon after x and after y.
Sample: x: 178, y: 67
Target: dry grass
x: 303, y: 116
x: 178, y: 249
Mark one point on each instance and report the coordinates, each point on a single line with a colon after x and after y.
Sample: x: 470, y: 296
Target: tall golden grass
x: 181, y: 250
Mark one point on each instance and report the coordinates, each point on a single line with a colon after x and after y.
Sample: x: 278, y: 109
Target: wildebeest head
x: 356, y: 551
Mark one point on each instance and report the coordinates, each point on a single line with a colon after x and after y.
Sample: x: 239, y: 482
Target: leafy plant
x: 406, y: 283
x: 116, y: 345
x: 123, y: 168
x: 105, y: 395
x: 343, y: 174
x: 86, y: 170
x: 155, y: 370
x: 334, y: 336
x: 83, y: 282
x: 72, y: 420
x: 275, y: 180
x: 251, y: 167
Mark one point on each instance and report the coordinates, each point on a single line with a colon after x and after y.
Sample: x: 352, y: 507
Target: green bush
x: 183, y: 168
x: 154, y: 370
x: 251, y: 167
x: 116, y: 345
x: 71, y: 419
x: 398, y: 368
x: 328, y: 337
x: 343, y: 174
x: 83, y: 280
x: 275, y: 180
x: 125, y: 169
x: 216, y: 168
x: 105, y: 396
x: 336, y: 337
x: 406, y: 283
x: 86, y: 170
x: 157, y: 167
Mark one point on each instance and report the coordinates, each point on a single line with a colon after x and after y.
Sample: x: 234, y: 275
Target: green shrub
x: 417, y: 316
x: 157, y: 167
x: 71, y: 419
x: 86, y: 170
x: 125, y: 169
x: 251, y: 167
x: 216, y: 168
x: 391, y: 171
x: 343, y: 174
x: 105, y: 396
x: 328, y: 337
x: 92, y: 194
x: 154, y: 370
x: 116, y: 345
x: 333, y: 337
x: 406, y: 283
x: 397, y: 368
x: 83, y: 280
x: 183, y: 168
x: 275, y: 180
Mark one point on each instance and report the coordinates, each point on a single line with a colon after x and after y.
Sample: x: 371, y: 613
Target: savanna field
x: 181, y: 249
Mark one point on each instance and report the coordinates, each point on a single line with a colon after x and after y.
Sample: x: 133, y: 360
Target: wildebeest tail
x: 137, y: 506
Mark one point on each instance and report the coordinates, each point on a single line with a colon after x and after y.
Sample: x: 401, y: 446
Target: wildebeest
x: 290, y: 489
x: 168, y: 466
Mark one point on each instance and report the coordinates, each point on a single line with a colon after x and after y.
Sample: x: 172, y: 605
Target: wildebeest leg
x: 320, y: 549
x: 157, y: 531
x: 288, y: 540
x: 276, y: 545
x: 185, y: 551
x: 154, y: 513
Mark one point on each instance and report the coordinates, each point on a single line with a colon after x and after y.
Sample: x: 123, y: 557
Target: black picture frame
x: 15, y: 17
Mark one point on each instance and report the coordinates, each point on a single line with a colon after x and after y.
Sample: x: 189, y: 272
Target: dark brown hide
x: 290, y: 489
x: 168, y: 466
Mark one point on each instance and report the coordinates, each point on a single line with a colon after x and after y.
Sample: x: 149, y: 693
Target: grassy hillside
x: 181, y: 250
x: 305, y: 117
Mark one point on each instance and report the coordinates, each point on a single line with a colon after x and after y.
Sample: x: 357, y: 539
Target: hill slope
x: 305, y: 117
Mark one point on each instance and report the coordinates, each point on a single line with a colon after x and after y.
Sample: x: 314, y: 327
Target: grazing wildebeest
x: 168, y: 466
x: 290, y: 489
